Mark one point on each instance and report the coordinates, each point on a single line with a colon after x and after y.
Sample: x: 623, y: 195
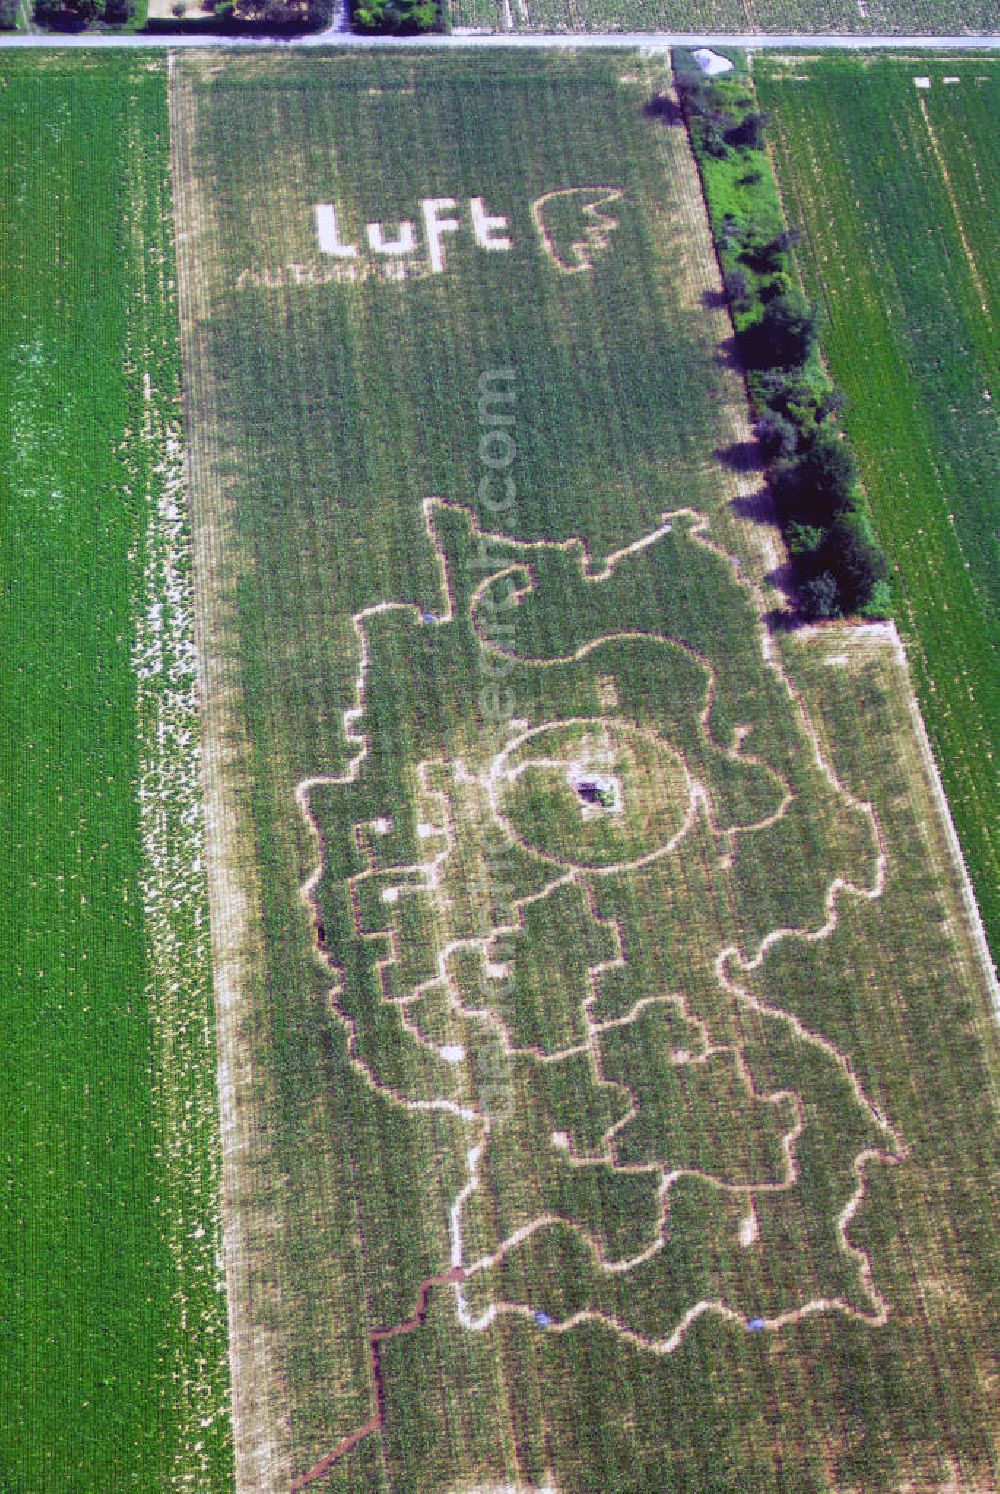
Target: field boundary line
x: 977, y: 928
x: 942, y: 165
x: 233, y: 889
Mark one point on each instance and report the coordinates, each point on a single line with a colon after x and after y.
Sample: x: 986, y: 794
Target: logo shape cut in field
x: 575, y: 226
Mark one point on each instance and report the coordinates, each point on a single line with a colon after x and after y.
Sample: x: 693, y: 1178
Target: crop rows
x: 114, y: 1371
x: 852, y: 17
x: 478, y: 1164
x: 889, y: 182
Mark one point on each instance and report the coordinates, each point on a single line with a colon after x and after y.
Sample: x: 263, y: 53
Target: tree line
x: 393, y: 17
x: 837, y: 565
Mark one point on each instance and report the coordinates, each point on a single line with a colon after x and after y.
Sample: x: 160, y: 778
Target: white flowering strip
x: 194, y: 1368
x: 179, y: 989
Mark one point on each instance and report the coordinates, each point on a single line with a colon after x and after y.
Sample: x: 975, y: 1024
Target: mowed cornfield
x: 113, y: 1368
x: 889, y: 168
x: 785, y: 17
x: 607, y: 1048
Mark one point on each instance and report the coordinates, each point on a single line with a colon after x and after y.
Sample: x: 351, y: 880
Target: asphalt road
x: 654, y: 40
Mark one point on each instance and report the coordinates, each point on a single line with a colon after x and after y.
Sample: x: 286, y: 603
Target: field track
x: 232, y: 874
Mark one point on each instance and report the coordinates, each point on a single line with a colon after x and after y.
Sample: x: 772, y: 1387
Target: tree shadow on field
x: 714, y: 300
x: 783, y: 620
x: 741, y: 456
x: 664, y: 108
x: 758, y: 507
x: 782, y: 578
x: 727, y: 355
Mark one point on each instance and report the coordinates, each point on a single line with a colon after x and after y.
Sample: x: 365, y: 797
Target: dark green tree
x: 737, y: 288
x: 696, y: 94
x: 855, y: 560
x: 713, y: 135
x: 777, y: 436
x: 749, y: 133
x: 819, y: 597
x: 804, y: 540
x: 395, y: 17
x: 785, y: 335
x: 818, y: 486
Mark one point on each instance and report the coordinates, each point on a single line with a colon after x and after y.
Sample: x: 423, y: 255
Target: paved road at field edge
x: 656, y: 40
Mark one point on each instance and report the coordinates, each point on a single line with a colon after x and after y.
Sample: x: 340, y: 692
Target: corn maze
x: 605, y: 1028
x: 463, y: 978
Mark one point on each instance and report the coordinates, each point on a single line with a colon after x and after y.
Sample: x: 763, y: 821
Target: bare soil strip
x: 260, y: 1420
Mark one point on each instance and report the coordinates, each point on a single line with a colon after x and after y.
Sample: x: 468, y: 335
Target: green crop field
x: 611, y: 1053
x: 113, y: 1370
x: 892, y: 185
x: 852, y: 17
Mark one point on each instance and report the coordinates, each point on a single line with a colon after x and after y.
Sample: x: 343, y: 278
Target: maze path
x: 728, y: 963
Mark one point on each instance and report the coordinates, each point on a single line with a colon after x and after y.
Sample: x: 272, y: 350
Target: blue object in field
x: 756, y: 1325
x: 428, y: 617
x: 543, y: 1320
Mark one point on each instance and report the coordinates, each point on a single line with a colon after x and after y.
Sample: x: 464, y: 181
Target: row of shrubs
x: 261, y: 16
x: 74, y: 15
x: 838, y: 567
x: 392, y: 17
x: 395, y: 17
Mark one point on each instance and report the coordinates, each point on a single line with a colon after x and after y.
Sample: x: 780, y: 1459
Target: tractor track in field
x: 728, y: 961
x: 942, y: 165
x: 376, y: 1339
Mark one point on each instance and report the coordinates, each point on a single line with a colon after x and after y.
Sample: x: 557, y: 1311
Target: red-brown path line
x: 379, y: 1337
